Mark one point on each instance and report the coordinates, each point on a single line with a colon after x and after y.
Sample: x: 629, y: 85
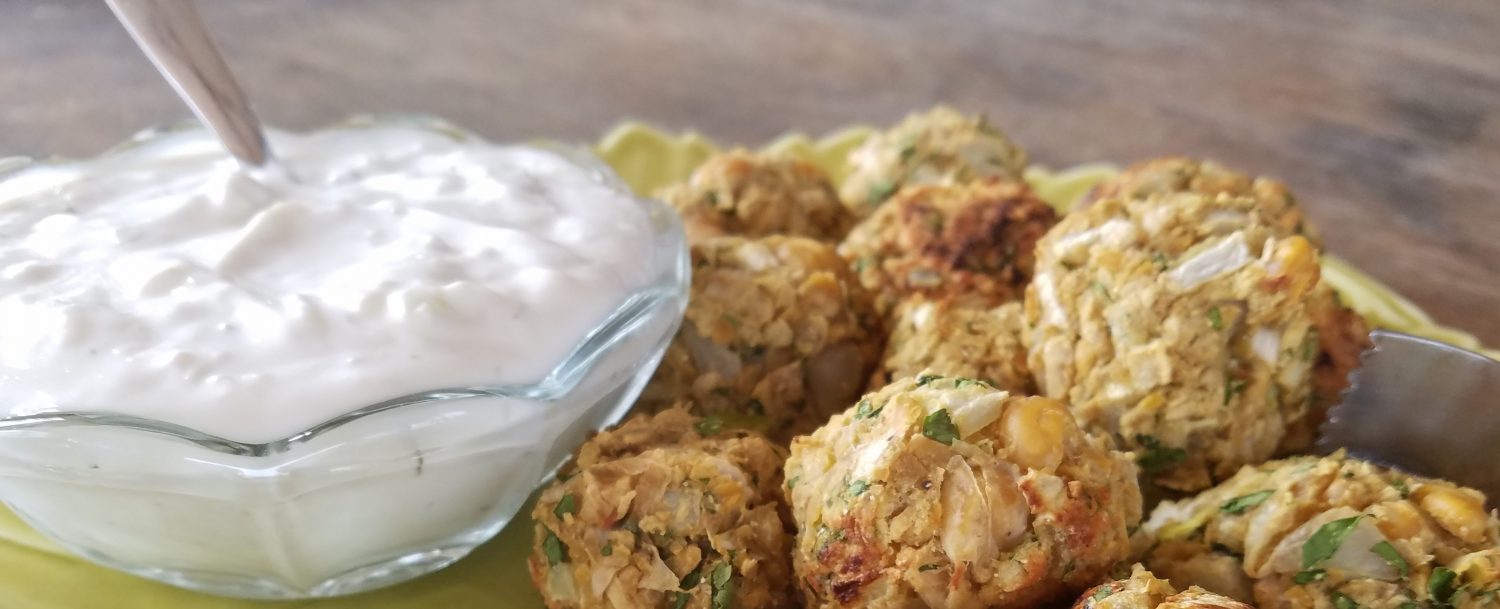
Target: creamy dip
x: 167, y: 282
x: 372, y: 263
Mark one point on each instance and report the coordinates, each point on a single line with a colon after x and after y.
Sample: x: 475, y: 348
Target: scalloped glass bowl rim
x: 561, y: 380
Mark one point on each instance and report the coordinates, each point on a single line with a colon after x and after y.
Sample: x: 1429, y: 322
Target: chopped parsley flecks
x: 1215, y: 318
x: 939, y: 427
x: 1440, y: 585
x: 908, y: 147
x: 924, y: 379
x: 567, y: 505
x: 608, y: 549
x: 858, y: 487
x: 1102, y: 593
x: 1400, y: 485
x: 1309, y: 576
x: 709, y: 425
x: 1101, y: 290
x: 932, y: 566
x: 1161, y: 260
x: 1238, y: 505
x: 1154, y: 457
x: 553, y: 548
x: 867, y: 410
x: 721, y: 582
x: 1326, y: 540
x: 692, y: 578
x: 1342, y: 601
x: 1233, y: 388
x: 1393, y: 558
x: 879, y: 191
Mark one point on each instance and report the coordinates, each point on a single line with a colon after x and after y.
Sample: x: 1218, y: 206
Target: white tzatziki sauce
x: 167, y: 282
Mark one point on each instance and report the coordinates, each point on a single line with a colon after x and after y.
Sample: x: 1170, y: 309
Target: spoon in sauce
x: 173, y: 36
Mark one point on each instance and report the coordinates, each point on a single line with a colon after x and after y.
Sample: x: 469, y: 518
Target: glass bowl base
x: 363, y: 579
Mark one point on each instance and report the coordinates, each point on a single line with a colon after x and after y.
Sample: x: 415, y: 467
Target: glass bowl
x: 376, y: 496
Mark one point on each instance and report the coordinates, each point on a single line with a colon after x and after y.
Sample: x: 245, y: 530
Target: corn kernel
x: 1294, y: 265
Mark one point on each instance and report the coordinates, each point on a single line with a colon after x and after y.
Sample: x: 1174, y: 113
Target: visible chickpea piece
x: 1458, y: 511
x: 1399, y: 520
x: 1010, y: 515
x: 1038, y: 430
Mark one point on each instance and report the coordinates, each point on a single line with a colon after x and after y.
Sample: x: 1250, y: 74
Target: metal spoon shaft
x: 173, y: 35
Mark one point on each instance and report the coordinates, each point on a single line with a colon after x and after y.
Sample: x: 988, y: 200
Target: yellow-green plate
x: 35, y: 574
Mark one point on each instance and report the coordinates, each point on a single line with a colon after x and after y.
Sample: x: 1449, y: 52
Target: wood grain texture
x: 1383, y: 115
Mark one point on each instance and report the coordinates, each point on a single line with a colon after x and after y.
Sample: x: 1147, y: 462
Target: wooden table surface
x: 1384, y: 116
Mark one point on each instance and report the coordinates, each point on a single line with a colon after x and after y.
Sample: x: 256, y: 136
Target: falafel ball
x: 657, y: 514
x: 947, y: 493
x: 755, y: 195
x: 972, y: 240
x: 778, y: 336
x: 1315, y: 533
x: 951, y: 338
x: 940, y: 146
x: 1178, y: 325
x: 1142, y: 590
x: 1342, y: 333
x: 1183, y: 174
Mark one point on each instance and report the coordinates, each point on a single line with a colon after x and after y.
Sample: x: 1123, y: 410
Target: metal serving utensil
x: 173, y: 36
x: 1425, y: 407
